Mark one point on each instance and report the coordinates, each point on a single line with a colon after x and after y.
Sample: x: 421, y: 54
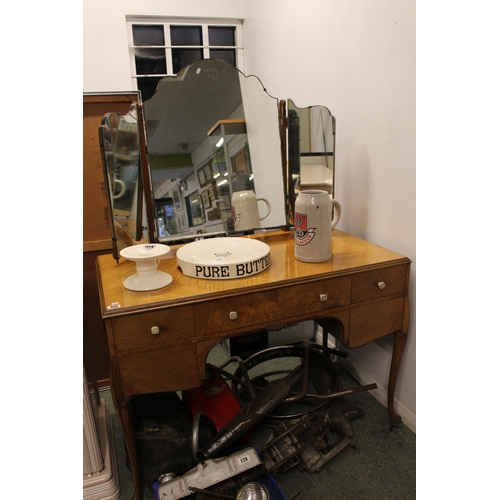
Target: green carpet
x: 379, y: 463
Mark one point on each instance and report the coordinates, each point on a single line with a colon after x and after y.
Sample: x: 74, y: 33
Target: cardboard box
x: 290, y: 334
x: 247, y: 344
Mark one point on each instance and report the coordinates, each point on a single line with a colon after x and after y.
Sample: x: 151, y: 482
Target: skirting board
x: 407, y: 416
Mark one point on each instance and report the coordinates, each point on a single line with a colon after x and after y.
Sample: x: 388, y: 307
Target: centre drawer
x: 153, y: 329
x: 258, y: 309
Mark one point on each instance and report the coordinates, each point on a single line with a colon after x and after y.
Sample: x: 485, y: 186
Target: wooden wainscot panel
x: 163, y: 370
x: 97, y: 219
x: 153, y: 329
x: 380, y: 283
x: 259, y: 309
x: 373, y: 321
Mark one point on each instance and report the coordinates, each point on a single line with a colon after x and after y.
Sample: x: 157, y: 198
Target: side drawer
x: 380, y: 283
x: 163, y: 370
x: 373, y: 321
x: 258, y: 309
x: 152, y: 329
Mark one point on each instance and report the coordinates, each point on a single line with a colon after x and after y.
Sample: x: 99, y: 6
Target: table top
x: 350, y: 255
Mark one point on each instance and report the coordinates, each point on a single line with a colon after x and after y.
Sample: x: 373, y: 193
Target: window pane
x: 185, y: 35
x: 147, y: 86
x: 227, y: 55
x: 183, y: 57
x: 150, y: 62
x: 148, y: 35
x: 221, y: 36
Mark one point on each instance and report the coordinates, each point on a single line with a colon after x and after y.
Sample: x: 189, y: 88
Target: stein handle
x: 123, y: 188
x: 337, y: 213
x: 268, y: 207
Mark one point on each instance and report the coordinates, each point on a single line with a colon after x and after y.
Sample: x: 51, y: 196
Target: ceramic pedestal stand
x: 146, y: 264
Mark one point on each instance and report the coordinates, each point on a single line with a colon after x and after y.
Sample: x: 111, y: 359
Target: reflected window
x: 161, y: 47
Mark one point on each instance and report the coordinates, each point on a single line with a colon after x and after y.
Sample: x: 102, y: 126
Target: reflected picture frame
x: 208, y: 172
x: 240, y: 162
x: 205, y: 199
x: 180, y: 218
x: 201, y: 176
x: 177, y: 198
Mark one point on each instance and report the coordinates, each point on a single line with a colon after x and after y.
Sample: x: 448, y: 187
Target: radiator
x: 100, y: 472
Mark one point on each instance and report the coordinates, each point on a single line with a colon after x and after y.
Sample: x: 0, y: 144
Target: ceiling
x: 184, y: 108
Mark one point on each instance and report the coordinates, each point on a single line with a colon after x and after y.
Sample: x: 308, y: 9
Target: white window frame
x: 166, y: 22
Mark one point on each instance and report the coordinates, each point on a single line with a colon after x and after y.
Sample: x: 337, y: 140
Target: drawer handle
x: 233, y: 315
x: 381, y: 285
x: 323, y: 297
x: 155, y: 330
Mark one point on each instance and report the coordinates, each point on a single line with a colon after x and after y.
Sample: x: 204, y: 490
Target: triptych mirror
x: 211, y: 153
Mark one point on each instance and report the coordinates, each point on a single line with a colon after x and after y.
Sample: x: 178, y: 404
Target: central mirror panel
x: 214, y: 151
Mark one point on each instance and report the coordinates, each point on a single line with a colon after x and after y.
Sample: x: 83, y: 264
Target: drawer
x: 373, y: 321
x: 259, y: 309
x: 380, y: 283
x: 162, y: 370
x: 152, y: 329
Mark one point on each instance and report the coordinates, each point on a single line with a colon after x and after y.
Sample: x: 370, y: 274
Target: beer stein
x: 314, y: 224
x: 245, y: 210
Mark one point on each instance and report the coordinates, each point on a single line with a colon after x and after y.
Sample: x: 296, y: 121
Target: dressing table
x: 159, y: 340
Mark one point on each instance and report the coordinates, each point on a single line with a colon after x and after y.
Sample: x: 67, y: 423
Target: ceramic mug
x: 313, y: 225
x: 245, y: 210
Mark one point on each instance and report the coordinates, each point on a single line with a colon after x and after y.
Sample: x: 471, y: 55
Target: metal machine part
x: 207, y: 474
x: 213, y: 398
x: 212, y: 406
x: 257, y: 372
x: 270, y: 397
x: 251, y: 414
x: 309, y: 442
x: 307, y: 439
x: 253, y: 491
x: 232, y: 487
x: 202, y: 432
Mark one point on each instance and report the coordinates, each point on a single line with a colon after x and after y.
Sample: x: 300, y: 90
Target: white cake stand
x: 146, y: 265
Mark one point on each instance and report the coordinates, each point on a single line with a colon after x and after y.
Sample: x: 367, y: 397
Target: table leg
x: 123, y: 408
x: 397, y: 353
x: 399, y: 342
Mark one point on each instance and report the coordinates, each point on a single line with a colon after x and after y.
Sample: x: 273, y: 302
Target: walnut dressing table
x: 159, y: 340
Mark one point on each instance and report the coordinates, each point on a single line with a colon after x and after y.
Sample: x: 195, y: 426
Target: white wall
x: 106, y: 65
x: 356, y: 58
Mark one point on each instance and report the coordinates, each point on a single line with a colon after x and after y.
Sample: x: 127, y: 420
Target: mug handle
x: 337, y: 213
x: 123, y: 188
x: 268, y: 207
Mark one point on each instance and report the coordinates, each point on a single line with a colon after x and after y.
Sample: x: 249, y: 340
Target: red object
x: 214, y: 399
